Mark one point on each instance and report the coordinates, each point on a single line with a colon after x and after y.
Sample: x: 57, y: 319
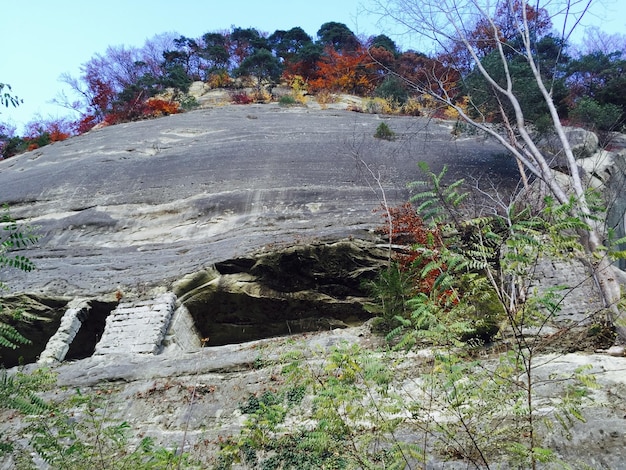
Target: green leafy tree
x: 244, y: 42
x: 305, y: 60
x: 486, y: 102
x: 215, y: 52
x: 601, y: 78
x: 386, y: 43
x: 596, y: 116
x: 338, y: 36
x: 263, y: 66
x: 493, y: 258
x: 393, y: 88
x: 287, y: 44
x: 452, y: 25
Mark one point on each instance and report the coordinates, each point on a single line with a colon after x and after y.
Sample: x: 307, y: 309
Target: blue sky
x: 42, y: 39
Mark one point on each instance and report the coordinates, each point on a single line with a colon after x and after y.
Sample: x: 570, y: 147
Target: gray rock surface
x: 141, y: 204
x: 197, y: 203
x: 153, y: 394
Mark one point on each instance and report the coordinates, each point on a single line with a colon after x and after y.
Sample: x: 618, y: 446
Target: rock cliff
x: 169, y: 249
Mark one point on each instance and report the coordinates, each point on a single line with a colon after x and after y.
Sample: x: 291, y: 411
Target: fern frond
x: 10, y: 337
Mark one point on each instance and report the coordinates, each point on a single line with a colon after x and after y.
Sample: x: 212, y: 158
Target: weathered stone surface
x: 142, y: 204
x: 137, y: 328
x: 153, y: 392
x: 237, y: 210
x: 59, y: 344
x: 582, y: 302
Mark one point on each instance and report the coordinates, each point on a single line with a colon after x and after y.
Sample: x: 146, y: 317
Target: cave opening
x: 92, y: 326
x: 299, y: 289
x: 232, y: 317
x: 36, y: 319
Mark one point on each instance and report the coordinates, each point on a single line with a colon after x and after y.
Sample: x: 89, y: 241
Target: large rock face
x: 162, y: 241
x: 141, y: 204
x: 128, y: 210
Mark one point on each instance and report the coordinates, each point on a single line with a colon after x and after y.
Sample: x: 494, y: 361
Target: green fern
x: 10, y: 337
x: 14, y: 237
x: 440, y: 203
x: 19, y: 392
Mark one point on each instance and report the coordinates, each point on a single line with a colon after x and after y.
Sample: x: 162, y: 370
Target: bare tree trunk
x: 446, y: 22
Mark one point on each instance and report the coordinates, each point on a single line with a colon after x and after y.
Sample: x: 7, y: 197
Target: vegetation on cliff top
x: 126, y: 84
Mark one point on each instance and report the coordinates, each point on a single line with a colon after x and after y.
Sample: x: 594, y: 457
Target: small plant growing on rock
x: 241, y: 97
x: 14, y: 237
x: 383, y: 131
x: 287, y: 100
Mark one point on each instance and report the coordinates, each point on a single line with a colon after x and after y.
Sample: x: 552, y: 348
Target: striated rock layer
x: 164, y: 241
x: 139, y: 205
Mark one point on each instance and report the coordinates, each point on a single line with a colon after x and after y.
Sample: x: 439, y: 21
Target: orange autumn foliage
x: 345, y: 73
x: 155, y: 107
x: 39, y: 134
x: 152, y: 108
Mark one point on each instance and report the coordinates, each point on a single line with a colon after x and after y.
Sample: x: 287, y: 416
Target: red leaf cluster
x: 405, y: 227
x: 241, y: 98
x: 157, y: 107
x: 85, y: 124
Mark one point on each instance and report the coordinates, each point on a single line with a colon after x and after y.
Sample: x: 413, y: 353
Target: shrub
x: 383, y: 131
x: 241, y: 97
x: 287, y: 100
x: 261, y: 95
x: 13, y: 146
x: 379, y: 106
x: 596, y: 116
x: 411, y: 107
x: 188, y: 102
x: 219, y: 79
x: 298, y: 88
x: 325, y: 97
x: 392, y: 89
x: 37, y: 134
x: 155, y: 107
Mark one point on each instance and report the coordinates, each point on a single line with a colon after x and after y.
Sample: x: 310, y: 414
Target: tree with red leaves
x: 351, y: 72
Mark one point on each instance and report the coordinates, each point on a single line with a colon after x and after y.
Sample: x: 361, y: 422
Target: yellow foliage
x: 412, y: 107
x: 219, y: 79
x: 298, y: 84
x: 324, y: 97
x: 440, y: 110
x: 298, y: 87
x: 383, y: 106
x: 262, y: 96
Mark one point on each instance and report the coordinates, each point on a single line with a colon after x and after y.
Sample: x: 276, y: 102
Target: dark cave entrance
x: 229, y: 318
x: 91, y: 329
x: 37, y: 319
x: 299, y: 289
